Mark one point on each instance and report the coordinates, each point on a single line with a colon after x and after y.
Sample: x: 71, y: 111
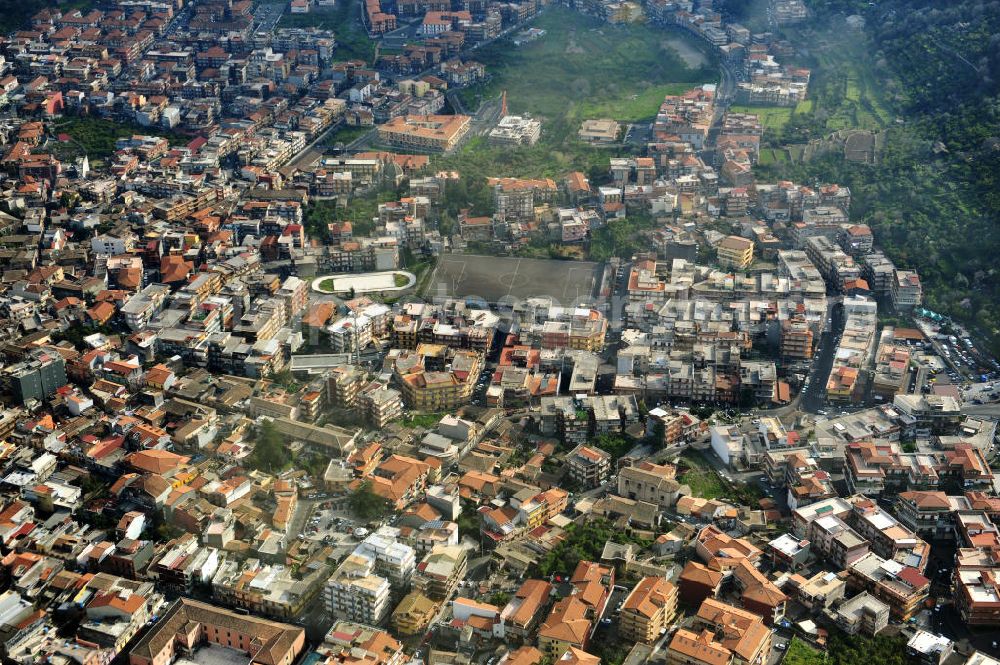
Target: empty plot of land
x: 689, y: 53
x: 495, y: 279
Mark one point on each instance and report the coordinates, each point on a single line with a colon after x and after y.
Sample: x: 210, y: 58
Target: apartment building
x: 394, y: 560
x: 355, y: 593
x: 38, y: 376
x: 888, y: 538
x: 413, y: 614
x: 796, y: 340
x: 835, y: 541
x: 588, y: 466
x: 721, y: 634
x: 566, y: 626
x: 821, y: 591
x: 514, y: 130
x: 648, y: 610
x: 437, y: 133
x: 440, y: 571
x: 523, y: 613
x: 901, y: 587
x: 698, y: 582
x: 906, y: 290
x: 735, y: 252
x: 977, y: 585
x: 436, y: 378
x: 864, y: 613
x: 515, y: 198
x: 930, y: 514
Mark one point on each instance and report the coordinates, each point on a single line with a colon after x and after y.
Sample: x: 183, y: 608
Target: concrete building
x: 864, y: 614
x: 735, y: 252
x: 648, y: 610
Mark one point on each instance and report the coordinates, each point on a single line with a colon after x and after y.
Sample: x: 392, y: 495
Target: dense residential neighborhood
x: 287, y: 378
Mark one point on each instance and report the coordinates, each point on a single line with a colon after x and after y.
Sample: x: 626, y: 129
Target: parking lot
x: 330, y: 523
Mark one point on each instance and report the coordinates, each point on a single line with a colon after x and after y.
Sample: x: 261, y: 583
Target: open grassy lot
x: 96, y: 136
x: 774, y: 118
x: 584, y: 68
x: 844, y: 91
x: 700, y: 476
x: 345, y: 21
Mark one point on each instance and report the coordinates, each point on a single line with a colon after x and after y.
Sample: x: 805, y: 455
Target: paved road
x: 814, y: 396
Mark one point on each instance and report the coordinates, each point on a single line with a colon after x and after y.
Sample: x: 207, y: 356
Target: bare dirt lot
x: 494, y: 278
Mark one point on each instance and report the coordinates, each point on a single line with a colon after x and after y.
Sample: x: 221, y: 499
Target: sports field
x: 495, y: 279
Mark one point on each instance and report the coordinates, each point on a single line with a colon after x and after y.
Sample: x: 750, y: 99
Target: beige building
x: 440, y: 571
x: 436, y: 133
x: 413, y: 614
x: 599, y: 131
x: 735, y: 252
x: 649, y: 482
x: 648, y: 610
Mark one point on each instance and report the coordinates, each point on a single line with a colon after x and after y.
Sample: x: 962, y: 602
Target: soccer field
x: 494, y: 278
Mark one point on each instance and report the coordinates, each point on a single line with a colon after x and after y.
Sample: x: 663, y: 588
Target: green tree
x: 269, y: 453
x: 368, y: 505
x: 499, y: 598
x: 800, y: 653
x: 615, y: 444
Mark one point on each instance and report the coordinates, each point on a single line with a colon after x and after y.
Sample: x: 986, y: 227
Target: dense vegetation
x: 96, y: 137
x: 368, y: 505
x: 15, y: 14
x: 849, y: 650
x: 585, y: 542
x: 269, y: 453
x: 345, y: 21
x: 927, y: 73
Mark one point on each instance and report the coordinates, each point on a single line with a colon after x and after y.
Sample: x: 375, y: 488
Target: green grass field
x: 581, y: 69
x: 343, y: 20
x: 773, y: 118
x: 584, y: 68
x: 701, y: 477
x: 96, y: 136
x: 773, y: 155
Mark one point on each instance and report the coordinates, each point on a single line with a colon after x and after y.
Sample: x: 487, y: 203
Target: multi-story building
x: 735, y: 252
x: 649, y: 482
x: 439, y: 133
x: 864, y: 613
x: 176, y: 632
x: 977, y: 585
x: 355, y: 593
x: 931, y: 514
x: 835, y: 541
x: 413, y: 614
x: 901, y: 587
x: 648, y: 610
x: 566, y: 626
x: 796, y: 340
x: 515, y: 198
x: 721, y: 634
x: 440, y: 571
x: 523, y: 613
x: 429, y: 382
x: 514, y: 130
x: 906, y: 292
x: 588, y: 466
x: 37, y: 377
x: 264, y: 589
x: 394, y: 560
